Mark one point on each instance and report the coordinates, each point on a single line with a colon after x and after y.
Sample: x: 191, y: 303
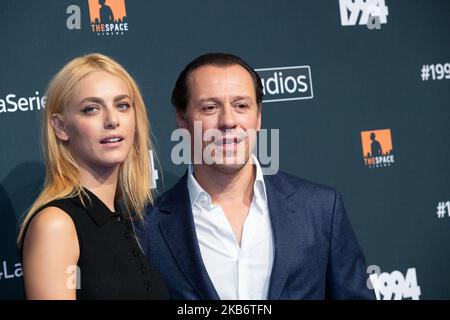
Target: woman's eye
x: 123, y: 106
x: 89, y: 110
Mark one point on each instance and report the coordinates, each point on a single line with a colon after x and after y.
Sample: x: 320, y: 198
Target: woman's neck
x: 102, y: 182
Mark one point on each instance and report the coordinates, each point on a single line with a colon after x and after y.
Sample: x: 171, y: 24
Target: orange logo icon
x: 377, y: 148
x: 108, y: 17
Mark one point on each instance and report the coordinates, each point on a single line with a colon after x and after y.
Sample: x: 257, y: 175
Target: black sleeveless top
x: 111, y: 263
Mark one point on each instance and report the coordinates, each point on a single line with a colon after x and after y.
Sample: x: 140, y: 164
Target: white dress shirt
x: 237, y: 272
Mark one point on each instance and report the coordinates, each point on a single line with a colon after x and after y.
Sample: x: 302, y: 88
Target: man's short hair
x: 180, y: 94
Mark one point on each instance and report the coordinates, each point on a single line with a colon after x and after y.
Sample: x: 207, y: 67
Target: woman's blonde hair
x: 61, y: 179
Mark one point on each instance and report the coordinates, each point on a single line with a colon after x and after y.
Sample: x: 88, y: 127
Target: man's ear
x: 58, y: 125
x: 182, y: 120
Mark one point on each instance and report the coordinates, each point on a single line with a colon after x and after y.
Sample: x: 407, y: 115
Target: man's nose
x: 227, y: 118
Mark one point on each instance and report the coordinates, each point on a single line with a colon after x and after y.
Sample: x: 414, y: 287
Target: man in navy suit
x: 225, y: 230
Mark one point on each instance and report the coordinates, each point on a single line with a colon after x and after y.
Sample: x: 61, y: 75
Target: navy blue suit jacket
x: 316, y: 252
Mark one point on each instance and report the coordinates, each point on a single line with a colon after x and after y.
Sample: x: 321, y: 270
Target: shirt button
x: 135, y: 253
x: 118, y: 219
x: 148, y: 287
x: 143, y: 270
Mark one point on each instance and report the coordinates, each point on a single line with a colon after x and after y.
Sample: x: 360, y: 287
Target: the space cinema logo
x: 377, y: 148
x: 108, y: 17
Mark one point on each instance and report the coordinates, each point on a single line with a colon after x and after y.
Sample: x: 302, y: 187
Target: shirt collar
x: 98, y: 211
x: 259, y: 188
x: 196, y: 191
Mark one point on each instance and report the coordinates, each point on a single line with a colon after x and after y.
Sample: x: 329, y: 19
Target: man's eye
x: 209, y: 108
x: 89, y: 110
x: 242, y: 106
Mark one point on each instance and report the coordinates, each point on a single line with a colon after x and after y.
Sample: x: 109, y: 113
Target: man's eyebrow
x: 214, y: 99
x: 241, y: 98
x: 209, y: 99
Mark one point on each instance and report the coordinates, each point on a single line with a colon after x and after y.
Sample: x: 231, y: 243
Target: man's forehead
x: 211, y: 77
x: 215, y: 73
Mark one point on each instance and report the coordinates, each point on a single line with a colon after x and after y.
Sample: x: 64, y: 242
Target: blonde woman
x: 77, y: 239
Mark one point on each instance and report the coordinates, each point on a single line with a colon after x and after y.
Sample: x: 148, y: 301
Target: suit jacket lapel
x: 179, y: 232
x: 286, y: 231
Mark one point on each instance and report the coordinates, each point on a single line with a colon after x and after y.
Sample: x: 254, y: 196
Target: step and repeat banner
x: 358, y: 89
